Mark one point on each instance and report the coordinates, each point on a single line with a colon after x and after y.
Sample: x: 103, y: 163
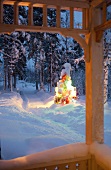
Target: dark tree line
x: 48, y: 51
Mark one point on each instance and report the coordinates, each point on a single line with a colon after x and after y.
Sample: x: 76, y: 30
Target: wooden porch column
x: 30, y: 15
x: 1, y: 11
x: 16, y: 13
x: 94, y: 84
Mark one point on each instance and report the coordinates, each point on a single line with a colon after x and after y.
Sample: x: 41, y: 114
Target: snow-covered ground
x: 30, y: 122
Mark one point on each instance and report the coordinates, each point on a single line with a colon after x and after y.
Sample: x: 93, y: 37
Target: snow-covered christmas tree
x: 65, y: 92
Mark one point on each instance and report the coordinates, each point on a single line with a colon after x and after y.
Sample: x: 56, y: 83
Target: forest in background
x: 38, y: 57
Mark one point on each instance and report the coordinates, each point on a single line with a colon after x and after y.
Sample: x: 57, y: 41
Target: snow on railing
x: 79, y: 156
x: 72, y: 156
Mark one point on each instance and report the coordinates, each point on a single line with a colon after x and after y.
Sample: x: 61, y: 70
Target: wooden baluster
x: 45, y: 15
x: 72, y: 166
x: 73, y: 20
x: 83, y: 165
x: 87, y: 19
x: 71, y: 17
x: 58, y: 17
x: 83, y: 18
x: 63, y: 167
x: 16, y: 13
x: 30, y: 14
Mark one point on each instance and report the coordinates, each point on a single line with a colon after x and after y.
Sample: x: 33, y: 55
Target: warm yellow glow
x: 38, y: 5
x: 41, y: 104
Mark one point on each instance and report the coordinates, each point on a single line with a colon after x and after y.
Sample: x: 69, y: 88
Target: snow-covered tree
x: 26, y: 47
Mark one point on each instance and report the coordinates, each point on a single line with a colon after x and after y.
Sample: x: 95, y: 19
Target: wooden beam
x: 10, y: 27
x: 63, y: 3
x: 21, y: 3
x: 101, y: 28
x: 97, y: 3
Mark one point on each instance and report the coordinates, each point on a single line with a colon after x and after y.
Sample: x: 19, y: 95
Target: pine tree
x: 56, y: 47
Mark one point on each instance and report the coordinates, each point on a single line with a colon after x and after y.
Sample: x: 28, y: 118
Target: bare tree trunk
x: 43, y: 72
x: 5, y: 73
x: 11, y: 88
x: 41, y: 77
x: 106, y: 70
x: 51, y: 73
x: 14, y: 80
x: 36, y: 79
x: 5, y: 79
x: 8, y: 79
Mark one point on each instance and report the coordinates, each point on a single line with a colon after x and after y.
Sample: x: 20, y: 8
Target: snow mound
x: 11, y: 99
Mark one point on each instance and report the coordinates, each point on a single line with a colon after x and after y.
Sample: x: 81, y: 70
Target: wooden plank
x: 102, y: 27
x: 10, y: 27
x: 78, y: 4
x: 7, y: 2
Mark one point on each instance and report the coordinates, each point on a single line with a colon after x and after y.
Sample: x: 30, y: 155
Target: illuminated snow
x: 34, y: 123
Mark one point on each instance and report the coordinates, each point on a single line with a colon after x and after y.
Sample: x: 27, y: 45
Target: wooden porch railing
x: 69, y: 157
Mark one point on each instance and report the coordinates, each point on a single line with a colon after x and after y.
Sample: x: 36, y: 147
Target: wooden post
x: 44, y: 15
x: 58, y: 23
x: 1, y: 11
x: 16, y: 13
x: 94, y: 85
x: 30, y: 15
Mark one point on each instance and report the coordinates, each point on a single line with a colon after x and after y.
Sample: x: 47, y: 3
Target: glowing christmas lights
x: 65, y: 92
